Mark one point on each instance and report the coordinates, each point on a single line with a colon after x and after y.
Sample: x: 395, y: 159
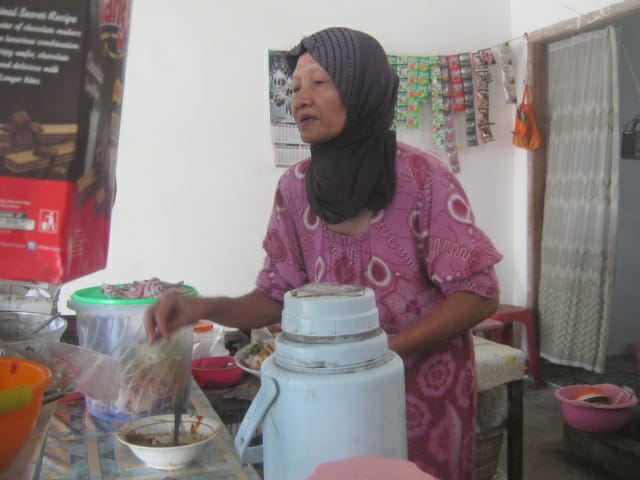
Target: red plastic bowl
x: 595, y: 417
x: 216, y: 372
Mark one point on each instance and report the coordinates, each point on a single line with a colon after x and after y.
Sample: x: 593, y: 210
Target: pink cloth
x: 421, y: 248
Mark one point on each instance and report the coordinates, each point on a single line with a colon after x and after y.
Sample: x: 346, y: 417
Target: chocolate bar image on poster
x: 40, y: 85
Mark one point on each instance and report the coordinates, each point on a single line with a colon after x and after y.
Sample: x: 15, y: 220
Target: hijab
x: 356, y: 169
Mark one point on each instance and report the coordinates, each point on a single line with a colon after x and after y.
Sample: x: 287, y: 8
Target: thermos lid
x: 329, y: 309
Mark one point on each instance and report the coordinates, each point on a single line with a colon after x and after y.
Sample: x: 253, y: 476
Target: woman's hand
x: 172, y: 311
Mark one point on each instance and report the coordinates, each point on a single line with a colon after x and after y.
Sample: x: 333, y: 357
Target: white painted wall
x: 195, y: 168
x: 530, y: 16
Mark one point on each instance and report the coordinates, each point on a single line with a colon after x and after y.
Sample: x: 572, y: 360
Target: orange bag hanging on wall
x: 525, y: 133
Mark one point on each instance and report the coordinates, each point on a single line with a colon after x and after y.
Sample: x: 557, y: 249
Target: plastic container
x: 595, y: 417
x: 332, y: 389
x: 16, y: 337
x: 216, y: 372
x: 150, y: 375
x: 208, y: 340
x: 16, y: 425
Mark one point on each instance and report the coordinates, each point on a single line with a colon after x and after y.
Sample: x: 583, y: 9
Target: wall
x: 195, y: 168
x: 531, y: 16
x: 626, y: 301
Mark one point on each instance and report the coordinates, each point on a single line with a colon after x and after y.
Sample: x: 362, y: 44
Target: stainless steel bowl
x: 16, y: 331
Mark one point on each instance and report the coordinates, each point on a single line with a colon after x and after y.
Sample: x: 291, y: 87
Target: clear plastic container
x: 151, y: 376
x: 208, y: 340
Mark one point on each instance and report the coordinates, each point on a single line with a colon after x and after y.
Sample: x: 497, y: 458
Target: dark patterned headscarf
x: 356, y: 169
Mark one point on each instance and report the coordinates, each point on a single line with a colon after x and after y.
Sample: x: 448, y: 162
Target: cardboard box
x: 62, y: 65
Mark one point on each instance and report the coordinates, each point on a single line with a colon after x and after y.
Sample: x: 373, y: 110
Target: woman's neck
x: 353, y: 225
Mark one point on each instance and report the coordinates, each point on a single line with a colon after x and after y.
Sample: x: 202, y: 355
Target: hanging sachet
x: 450, y: 146
x: 525, y: 132
x: 466, y: 71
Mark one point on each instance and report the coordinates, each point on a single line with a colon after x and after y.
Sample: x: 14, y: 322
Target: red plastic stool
x: 499, y: 327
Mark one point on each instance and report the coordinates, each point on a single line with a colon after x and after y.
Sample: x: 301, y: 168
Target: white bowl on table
x: 151, y: 439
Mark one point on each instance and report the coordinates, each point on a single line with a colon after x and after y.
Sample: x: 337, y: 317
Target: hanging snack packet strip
x: 415, y: 94
x: 508, y: 78
x: 436, y: 103
x: 393, y: 63
x: 455, y: 77
x: 469, y: 109
x: 449, y: 121
x: 399, y: 63
x: 481, y: 61
x: 422, y: 78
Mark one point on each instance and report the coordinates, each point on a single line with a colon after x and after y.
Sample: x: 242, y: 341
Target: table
x: 78, y: 446
x: 496, y: 365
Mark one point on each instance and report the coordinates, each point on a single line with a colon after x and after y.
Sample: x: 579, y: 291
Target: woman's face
x: 317, y: 106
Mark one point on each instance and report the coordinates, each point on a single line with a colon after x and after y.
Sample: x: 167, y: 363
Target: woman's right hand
x: 172, y: 311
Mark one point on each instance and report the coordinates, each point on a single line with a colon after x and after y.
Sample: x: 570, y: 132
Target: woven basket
x: 487, y: 456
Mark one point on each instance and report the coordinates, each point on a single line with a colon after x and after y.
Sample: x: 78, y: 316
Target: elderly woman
x: 368, y: 211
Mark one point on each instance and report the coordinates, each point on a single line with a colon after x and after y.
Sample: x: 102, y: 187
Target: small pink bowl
x: 216, y: 372
x: 594, y: 417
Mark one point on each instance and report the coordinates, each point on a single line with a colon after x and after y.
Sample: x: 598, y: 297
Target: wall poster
x: 287, y: 145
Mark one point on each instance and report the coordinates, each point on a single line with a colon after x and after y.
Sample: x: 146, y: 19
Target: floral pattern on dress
x: 437, y: 374
x: 418, y: 417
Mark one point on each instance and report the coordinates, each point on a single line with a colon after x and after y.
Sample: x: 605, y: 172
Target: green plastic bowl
x: 94, y: 296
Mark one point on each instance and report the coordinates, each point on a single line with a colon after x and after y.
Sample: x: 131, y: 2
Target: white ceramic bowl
x: 151, y: 439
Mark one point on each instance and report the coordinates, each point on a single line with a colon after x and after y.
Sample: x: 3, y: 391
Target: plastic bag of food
x: 151, y: 377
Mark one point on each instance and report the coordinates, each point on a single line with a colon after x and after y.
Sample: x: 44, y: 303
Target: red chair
x: 499, y: 328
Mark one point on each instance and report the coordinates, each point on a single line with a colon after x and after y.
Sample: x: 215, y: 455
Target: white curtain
x: 581, y: 200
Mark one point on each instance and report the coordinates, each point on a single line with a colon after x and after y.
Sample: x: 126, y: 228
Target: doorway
x: 626, y: 301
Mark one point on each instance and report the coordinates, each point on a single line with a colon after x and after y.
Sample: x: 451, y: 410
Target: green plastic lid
x: 94, y: 296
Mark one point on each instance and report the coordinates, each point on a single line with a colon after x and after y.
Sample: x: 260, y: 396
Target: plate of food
x: 250, y: 357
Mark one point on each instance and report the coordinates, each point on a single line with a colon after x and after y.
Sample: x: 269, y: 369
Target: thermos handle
x: 255, y: 414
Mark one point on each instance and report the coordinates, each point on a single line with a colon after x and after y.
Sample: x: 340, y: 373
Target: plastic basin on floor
x: 594, y: 417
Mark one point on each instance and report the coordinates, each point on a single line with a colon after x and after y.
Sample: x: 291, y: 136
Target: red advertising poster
x: 62, y: 66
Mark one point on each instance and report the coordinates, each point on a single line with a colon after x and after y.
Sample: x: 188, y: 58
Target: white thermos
x: 332, y: 389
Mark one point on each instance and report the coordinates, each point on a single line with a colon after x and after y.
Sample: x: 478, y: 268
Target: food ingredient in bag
x: 147, y: 380
x: 152, y: 288
x: 258, y: 353
x: 163, y: 439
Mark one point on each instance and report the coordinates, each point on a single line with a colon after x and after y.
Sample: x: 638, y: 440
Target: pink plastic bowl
x: 593, y: 417
x: 216, y: 372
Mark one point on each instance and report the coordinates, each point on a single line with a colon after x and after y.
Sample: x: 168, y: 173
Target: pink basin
x: 593, y: 417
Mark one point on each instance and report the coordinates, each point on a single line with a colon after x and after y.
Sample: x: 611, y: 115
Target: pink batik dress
x: 421, y: 248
